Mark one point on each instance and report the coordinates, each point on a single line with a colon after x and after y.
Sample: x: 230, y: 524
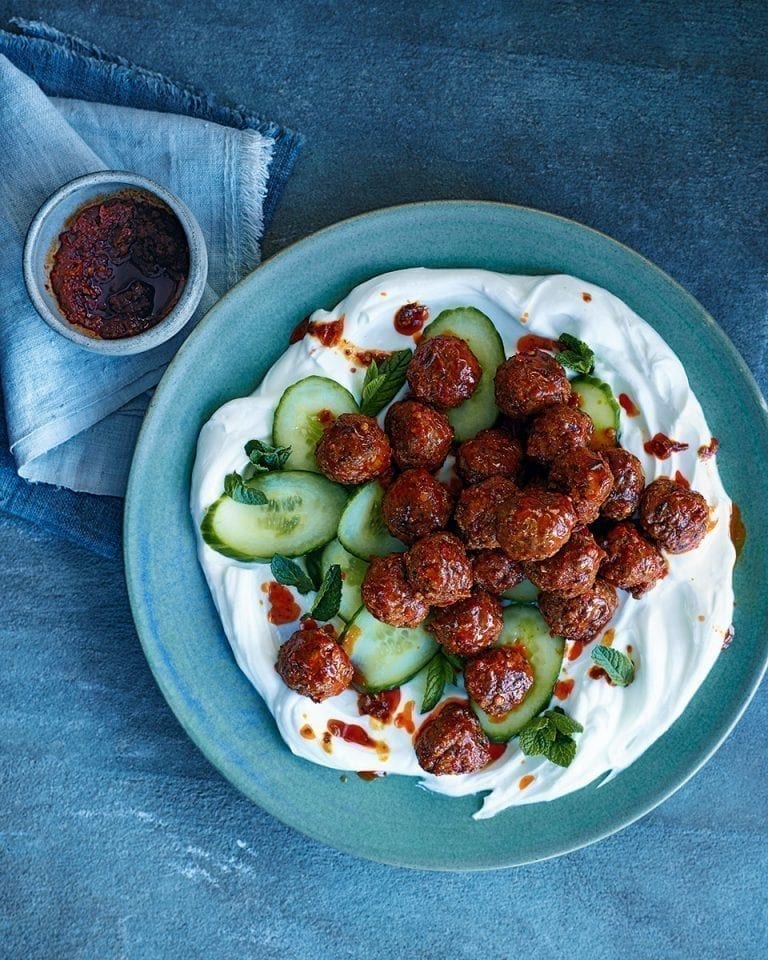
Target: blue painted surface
x: 117, y: 839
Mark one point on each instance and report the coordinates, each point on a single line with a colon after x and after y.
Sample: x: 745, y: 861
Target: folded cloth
x: 72, y: 416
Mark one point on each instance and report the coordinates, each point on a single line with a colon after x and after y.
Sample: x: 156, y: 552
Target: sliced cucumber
x: 303, y: 413
x: 596, y: 399
x: 301, y: 514
x: 480, y: 411
x: 352, y: 573
x: 362, y: 530
x: 524, y: 592
x: 385, y: 656
x: 525, y: 626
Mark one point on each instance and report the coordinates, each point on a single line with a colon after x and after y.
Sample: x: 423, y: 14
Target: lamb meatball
x: 628, y: 483
x: 495, y: 572
x: 586, y: 478
x: 476, y: 511
x: 443, y: 372
x: 470, y: 625
x: 313, y: 664
x: 353, y: 449
x: 452, y: 741
x: 572, y: 570
x: 498, y: 680
x: 581, y: 617
x: 415, y: 504
x: 439, y: 569
x: 557, y: 429
x: 420, y: 436
x: 527, y: 382
x: 674, y: 516
x: 388, y: 595
x: 491, y: 453
x: 631, y: 562
x: 534, y: 524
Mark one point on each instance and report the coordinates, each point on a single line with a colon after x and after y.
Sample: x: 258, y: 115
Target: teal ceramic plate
x: 391, y: 819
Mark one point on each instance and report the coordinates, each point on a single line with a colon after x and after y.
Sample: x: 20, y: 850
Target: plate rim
x: 171, y: 694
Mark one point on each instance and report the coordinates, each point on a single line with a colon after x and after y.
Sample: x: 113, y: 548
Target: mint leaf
x: 265, y: 457
x: 289, y: 573
x: 435, y: 683
x: 577, y: 355
x: 616, y: 664
x: 328, y: 599
x: 456, y: 662
x: 549, y: 735
x: 314, y: 567
x: 562, y: 751
x: 383, y: 382
x: 235, y: 488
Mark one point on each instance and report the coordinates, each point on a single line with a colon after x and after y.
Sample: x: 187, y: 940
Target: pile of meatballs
x: 532, y: 500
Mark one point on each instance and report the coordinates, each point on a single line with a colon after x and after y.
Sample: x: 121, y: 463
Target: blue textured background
x: 117, y: 839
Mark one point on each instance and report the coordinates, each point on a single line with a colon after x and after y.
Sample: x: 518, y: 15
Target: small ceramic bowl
x: 54, y: 217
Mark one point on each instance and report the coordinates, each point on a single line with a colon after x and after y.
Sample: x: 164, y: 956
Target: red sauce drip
x: 530, y: 342
x: 597, y: 673
x: 563, y: 689
x: 708, y: 451
x: 738, y: 530
x: 364, y: 358
x: 410, y: 318
x: 380, y: 705
x: 371, y: 774
x: 575, y: 649
x: 308, y: 624
x: 628, y: 406
x: 325, y: 418
x: 120, y: 267
x: 307, y: 732
x: 586, y: 297
x: 351, y: 733
x: 299, y: 331
x: 607, y: 638
x: 282, y: 606
x: 727, y: 638
x: 496, y: 750
x: 328, y: 333
x: 681, y: 481
x: 526, y: 781
x: 404, y: 719
x: 574, y: 399
x: 662, y: 446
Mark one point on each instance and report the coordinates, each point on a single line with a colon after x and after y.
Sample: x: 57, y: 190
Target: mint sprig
x: 439, y: 672
x: 235, y: 489
x: 616, y: 664
x: 313, y: 563
x: 550, y: 735
x: 290, y: 574
x: 577, y: 355
x: 265, y: 457
x: 328, y: 599
x: 383, y: 381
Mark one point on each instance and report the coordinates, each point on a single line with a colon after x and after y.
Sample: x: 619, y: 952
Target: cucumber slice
x: 385, y: 656
x: 303, y: 413
x: 526, y: 626
x: 301, y: 514
x: 352, y: 573
x: 362, y: 530
x: 480, y: 411
x: 524, y: 592
x: 596, y: 399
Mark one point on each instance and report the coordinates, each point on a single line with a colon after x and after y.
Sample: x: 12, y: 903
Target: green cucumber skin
x: 601, y: 406
x: 361, y: 530
x: 353, y: 571
x: 477, y: 330
x: 524, y: 625
x: 317, y: 528
x: 377, y: 668
x: 297, y: 407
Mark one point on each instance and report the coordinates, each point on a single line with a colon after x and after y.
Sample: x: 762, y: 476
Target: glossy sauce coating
x: 675, y: 517
x: 572, y: 570
x: 389, y: 596
x: 628, y: 484
x: 476, y: 511
x: 452, y: 742
x: 581, y: 617
x: 498, y: 680
x: 443, y: 372
x: 490, y: 453
x: 353, y: 449
x: 534, y: 524
x: 527, y: 382
x: 470, y: 625
x: 416, y: 504
x: 631, y: 561
x: 437, y: 567
x: 313, y: 664
x: 419, y: 435
x: 557, y: 429
x: 586, y: 478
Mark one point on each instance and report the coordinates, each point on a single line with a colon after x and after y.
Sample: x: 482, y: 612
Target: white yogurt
x: 676, y: 631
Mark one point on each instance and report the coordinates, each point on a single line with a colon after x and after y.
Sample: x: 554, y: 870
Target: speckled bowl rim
x: 631, y: 794
x: 114, y: 182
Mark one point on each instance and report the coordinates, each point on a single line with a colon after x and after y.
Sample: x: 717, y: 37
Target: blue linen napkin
x: 72, y: 417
